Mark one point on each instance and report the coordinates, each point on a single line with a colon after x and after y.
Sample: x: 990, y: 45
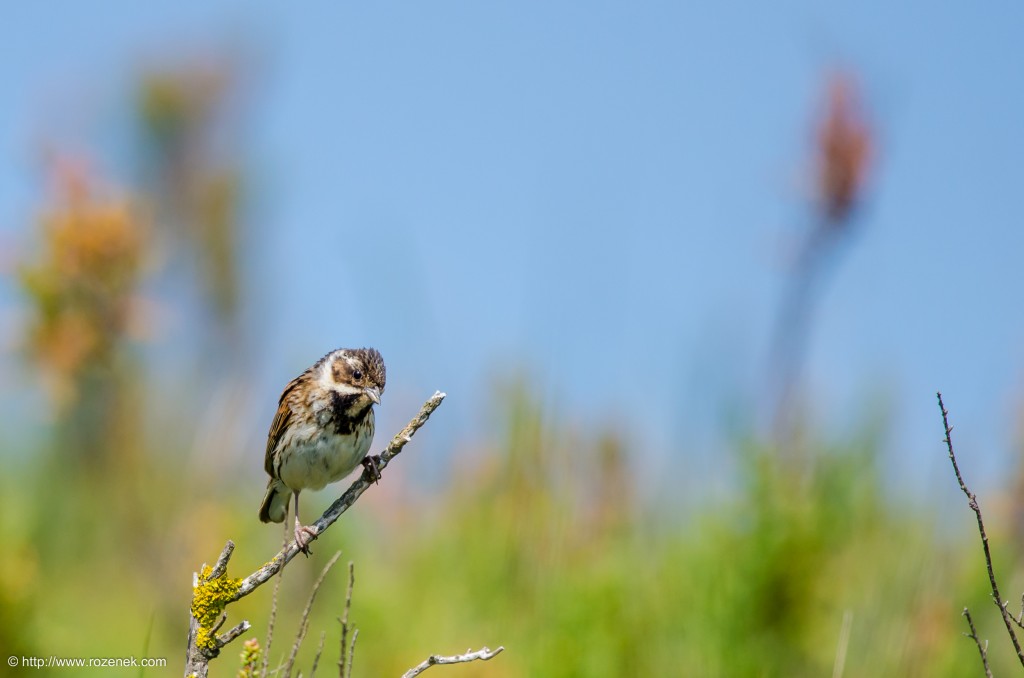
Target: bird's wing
x: 280, y: 423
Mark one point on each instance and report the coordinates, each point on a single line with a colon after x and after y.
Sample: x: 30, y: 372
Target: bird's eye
x: 357, y: 375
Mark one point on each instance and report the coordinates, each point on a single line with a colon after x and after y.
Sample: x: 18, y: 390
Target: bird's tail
x: 275, y: 503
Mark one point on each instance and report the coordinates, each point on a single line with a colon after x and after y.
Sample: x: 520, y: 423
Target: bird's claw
x: 370, y: 463
x: 303, y: 535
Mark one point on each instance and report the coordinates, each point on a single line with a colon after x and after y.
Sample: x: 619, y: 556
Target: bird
x: 322, y: 431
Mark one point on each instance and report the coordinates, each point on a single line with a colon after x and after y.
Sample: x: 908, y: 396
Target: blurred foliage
x: 81, y: 283
x: 754, y: 586
x: 545, y: 539
x: 545, y: 546
x: 193, y: 173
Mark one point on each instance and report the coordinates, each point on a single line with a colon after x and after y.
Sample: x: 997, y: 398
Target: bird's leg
x: 303, y: 533
x: 370, y: 463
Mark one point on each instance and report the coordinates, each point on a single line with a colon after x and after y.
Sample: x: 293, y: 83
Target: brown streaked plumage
x: 322, y: 430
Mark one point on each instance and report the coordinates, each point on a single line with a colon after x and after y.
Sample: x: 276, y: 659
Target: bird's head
x: 355, y: 371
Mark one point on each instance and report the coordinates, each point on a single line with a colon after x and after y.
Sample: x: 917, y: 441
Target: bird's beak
x: 374, y: 394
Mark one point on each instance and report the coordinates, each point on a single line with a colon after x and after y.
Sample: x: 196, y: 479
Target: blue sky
x: 601, y: 192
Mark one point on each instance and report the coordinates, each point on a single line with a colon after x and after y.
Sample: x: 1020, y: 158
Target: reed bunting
x: 322, y: 431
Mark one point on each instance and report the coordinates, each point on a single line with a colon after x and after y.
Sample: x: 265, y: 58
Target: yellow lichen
x: 208, y: 601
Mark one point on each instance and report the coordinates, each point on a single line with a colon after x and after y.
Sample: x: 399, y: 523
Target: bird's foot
x: 370, y: 463
x: 303, y: 535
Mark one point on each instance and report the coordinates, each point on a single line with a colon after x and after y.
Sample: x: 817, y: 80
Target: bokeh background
x: 690, y: 277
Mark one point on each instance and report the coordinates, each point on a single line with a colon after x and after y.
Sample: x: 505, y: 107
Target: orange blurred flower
x: 844, y: 148
x: 81, y: 282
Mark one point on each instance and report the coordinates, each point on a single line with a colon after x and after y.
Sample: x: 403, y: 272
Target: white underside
x: 318, y: 458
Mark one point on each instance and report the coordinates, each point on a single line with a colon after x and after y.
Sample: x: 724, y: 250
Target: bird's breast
x: 345, y: 411
x: 316, y: 455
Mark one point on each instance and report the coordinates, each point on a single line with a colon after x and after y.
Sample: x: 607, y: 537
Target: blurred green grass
x: 541, y: 545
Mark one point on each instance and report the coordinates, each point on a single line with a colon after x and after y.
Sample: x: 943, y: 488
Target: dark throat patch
x: 348, y: 410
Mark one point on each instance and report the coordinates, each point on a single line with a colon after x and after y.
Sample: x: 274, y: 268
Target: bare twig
x: 319, y: 651
x: 343, y: 619
x: 273, y: 609
x: 201, y: 648
x: 304, y: 623
x: 222, y: 561
x: 982, y: 649
x: 235, y: 631
x: 972, y: 501
x: 1019, y: 620
x: 220, y: 622
x: 351, y: 654
x: 482, y: 654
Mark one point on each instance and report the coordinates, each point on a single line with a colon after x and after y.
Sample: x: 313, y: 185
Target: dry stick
x: 982, y: 649
x: 197, y: 660
x: 304, y: 623
x: 222, y: 562
x: 319, y: 651
x: 482, y: 654
x: 273, y: 606
x: 343, y: 619
x: 233, y: 633
x: 972, y: 501
x: 351, y: 654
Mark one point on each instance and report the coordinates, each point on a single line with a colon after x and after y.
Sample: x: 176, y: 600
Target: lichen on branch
x: 210, y: 595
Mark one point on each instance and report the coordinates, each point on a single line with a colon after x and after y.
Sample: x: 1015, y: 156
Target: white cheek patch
x: 344, y: 389
x: 326, y: 380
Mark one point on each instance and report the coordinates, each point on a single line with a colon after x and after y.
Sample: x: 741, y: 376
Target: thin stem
x: 304, y: 622
x: 982, y: 649
x: 972, y: 501
x: 343, y: 620
x: 351, y: 654
x: 483, y: 654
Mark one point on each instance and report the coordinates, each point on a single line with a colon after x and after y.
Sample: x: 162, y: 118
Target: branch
x: 319, y: 651
x: 233, y: 633
x: 482, y: 654
x: 221, y: 566
x: 343, y: 620
x: 213, y: 590
x: 982, y: 649
x: 345, y: 501
x: 972, y: 501
x: 304, y: 624
x: 272, y: 619
x: 351, y: 654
